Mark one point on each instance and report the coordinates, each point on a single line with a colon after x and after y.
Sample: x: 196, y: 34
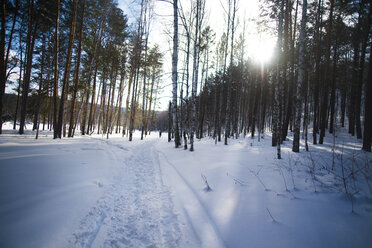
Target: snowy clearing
x: 97, y: 192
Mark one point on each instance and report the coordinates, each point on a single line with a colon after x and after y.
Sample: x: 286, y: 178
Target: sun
x: 261, y: 48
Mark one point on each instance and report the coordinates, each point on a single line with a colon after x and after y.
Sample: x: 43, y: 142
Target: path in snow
x: 195, y: 211
x: 137, y: 209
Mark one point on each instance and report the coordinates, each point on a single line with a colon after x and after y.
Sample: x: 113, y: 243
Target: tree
x: 276, y: 138
x: 4, y: 53
x: 367, y: 133
x: 229, y: 82
x: 177, y: 141
x: 324, y: 105
x: 66, y: 77
x: 56, y: 71
x: 33, y: 22
x: 301, y: 79
x: 76, y: 76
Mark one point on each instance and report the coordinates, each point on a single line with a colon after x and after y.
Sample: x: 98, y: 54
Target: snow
x: 90, y: 191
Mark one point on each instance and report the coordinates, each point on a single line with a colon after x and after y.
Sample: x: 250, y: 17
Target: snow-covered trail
x: 136, y: 210
x: 198, y: 217
x: 97, y: 192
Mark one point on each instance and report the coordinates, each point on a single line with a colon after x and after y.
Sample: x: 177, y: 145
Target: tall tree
x: 2, y: 60
x: 301, y: 79
x: 229, y: 81
x: 177, y: 141
x: 33, y: 22
x: 324, y: 105
x: 195, y: 74
x: 276, y: 137
x: 367, y: 133
x: 56, y: 71
x: 5, y: 55
x: 76, y: 76
x: 66, y: 77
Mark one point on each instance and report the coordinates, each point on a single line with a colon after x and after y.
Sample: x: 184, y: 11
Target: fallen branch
x: 271, y: 215
x: 208, y: 188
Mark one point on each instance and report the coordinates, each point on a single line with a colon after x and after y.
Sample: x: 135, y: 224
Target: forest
x: 85, y: 68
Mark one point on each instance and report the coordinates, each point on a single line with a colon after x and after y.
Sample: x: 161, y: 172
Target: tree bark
x: 19, y: 80
x: 144, y: 79
x: 177, y: 141
x: 358, y: 98
x: 301, y: 79
x: 229, y: 81
x: 93, y: 104
x: 76, y: 78
x: 324, y: 105
x: 56, y: 72
x: 276, y: 136
x: 66, y: 77
x: 5, y: 57
x: 2, y: 60
x: 367, y: 132
x: 317, y: 38
x: 195, y: 76
x: 37, y: 111
x: 31, y: 36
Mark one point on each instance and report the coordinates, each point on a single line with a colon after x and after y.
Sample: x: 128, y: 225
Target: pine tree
x: 301, y: 79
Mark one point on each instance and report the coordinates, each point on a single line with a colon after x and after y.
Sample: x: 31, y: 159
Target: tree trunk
x: 286, y: 89
x: 333, y: 89
x: 2, y: 60
x: 37, y: 112
x: 56, y: 72
x: 76, y: 78
x: 144, y: 82
x: 301, y: 79
x: 101, y: 113
x: 177, y: 141
x: 195, y: 73
x: 133, y: 104
x: 276, y: 88
x: 121, y: 90
x: 367, y: 133
x: 5, y: 57
x: 19, y: 80
x: 324, y: 105
x: 110, y: 103
x: 66, y: 77
x: 126, y: 116
x: 150, y: 100
x: 358, y: 99
x: 170, y: 122
x: 317, y: 34
x: 31, y: 36
x: 93, y: 103
x: 229, y: 81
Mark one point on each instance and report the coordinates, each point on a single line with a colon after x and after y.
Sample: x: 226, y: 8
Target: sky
x: 259, y: 45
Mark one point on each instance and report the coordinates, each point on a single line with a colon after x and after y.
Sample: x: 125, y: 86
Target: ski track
x: 136, y: 210
x: 195, y: 211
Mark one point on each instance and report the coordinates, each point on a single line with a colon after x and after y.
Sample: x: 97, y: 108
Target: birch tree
x: 177, y: 141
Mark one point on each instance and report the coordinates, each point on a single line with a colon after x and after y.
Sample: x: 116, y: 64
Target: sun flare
x: 261, y: 50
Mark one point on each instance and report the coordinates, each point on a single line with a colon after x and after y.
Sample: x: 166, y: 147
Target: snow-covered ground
x: 97, y: 192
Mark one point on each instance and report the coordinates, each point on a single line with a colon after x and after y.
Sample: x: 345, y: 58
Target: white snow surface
x: 90, y: 191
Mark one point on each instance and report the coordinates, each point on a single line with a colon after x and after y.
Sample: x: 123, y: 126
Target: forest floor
x: 97, y: 192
